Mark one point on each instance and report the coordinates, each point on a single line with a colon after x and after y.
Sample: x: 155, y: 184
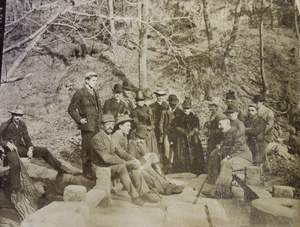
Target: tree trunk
x: 143, y: 33
x: 261, y: 48
x: 233, y: 35
x: 297, y: 31
x: 271, y: 14
x: 112, y: 25
x: 208, y: 33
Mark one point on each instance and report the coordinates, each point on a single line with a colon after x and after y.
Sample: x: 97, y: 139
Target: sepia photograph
x: 149, y: 113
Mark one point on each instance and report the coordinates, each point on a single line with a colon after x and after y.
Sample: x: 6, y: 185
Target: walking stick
x: 200, y: 190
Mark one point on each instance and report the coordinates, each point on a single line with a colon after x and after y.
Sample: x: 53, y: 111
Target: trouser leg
x: 15, y: 169
x: 43, y: 152
x: 157, y: 181
x: 139, y: 182
x: 121, y: 172
x: 213, y: 168
x: 86, y: 152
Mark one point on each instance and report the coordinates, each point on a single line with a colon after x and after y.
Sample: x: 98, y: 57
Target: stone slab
x: 39, y: 169
x: 238, y: 195
x: 186, y: 215
x: 103, y: 175
x: 59, y: 214
x: 94, y: 197
x: 75, y: 193
x: 275, y: 211
x: 283, y: 191
x: 253, y: 175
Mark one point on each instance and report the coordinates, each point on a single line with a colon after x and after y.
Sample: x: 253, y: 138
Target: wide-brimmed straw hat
x: 17, y: 110
x: 160, y: 93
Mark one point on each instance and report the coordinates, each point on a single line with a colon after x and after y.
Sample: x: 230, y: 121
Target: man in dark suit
x: 167, y: 117
x: 85, y: 109
x: 16, y: 142
x: 115, y: 105
x: 157, y: 108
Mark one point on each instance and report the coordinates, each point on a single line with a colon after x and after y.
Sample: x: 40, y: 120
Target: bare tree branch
x: 12, y: 80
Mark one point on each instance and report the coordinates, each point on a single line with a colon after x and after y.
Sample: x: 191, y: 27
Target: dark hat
x: 148, y: 94
x: 139, y: 95
x: 118, y: 88
x: 230, y: 95
x: 141, y: 131
x: 221, y: 117
x: 17, y: 110
x: 258, y: 98
x: 160, y: 93
x: 187, y: 103
x: 173, y: 99
x: 108, y: 118
x: 122, y: 118
x: 127, y: 86
x: 89, y: 75
x: 232, y: 108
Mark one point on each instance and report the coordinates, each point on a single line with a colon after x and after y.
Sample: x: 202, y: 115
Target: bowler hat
x: 122, y: 118
x: 173, y: 99
x: 221, y: 117
x: 127, y: 86
x: 258, y: 98
x: 139, y: 95
x: 230, y: 95
x: 118, y: 88
x: 232, y: 108
x: 160, y: 93
x: 17, y: 110
x: 89, y: 75
x: 187, y: 103
x: 148, y: 94
x: 141, y: 131
x: 252, y: 105
x: 108, y: 118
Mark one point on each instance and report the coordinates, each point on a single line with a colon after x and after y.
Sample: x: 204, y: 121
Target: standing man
x: 268, y: 115
x: 85, y: 109
x: 255, y: 127
x: 165, y: 136
x: 115, y: 105
x: 16, y: 142
x: 157, y: 109
x: 120, y: 163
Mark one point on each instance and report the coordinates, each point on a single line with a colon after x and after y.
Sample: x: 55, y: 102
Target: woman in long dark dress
x: 188, y: 155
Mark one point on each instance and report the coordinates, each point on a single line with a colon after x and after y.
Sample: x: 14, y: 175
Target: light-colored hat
x: 160, y: 93
x: 148, y: 94
x: 221, y: 117
x: 108, y: 118
x: 122, y: 118
x: 89, y: 74
x: 17, y: 110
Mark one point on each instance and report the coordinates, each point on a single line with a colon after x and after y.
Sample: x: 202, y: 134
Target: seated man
x: 16, y: 142
x: 120, y: 162
x: 237, y: 156
x: 153, y: 178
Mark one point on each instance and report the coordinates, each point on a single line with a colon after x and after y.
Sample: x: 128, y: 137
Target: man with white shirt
x: 167, y: 117
x: 85, y: 109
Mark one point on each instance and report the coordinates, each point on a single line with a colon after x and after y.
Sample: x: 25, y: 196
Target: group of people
x: 141, y: 141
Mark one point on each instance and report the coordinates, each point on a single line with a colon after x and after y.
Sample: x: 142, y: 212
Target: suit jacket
x: 121, y: 145
x: 136, y: 151
x: 18, y: 136
x: 86, y: 105
x: 111, y: 106
x: 157, y: 110
x: 268, y: 115
x: 105, y: 150
x: 166, y: 118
